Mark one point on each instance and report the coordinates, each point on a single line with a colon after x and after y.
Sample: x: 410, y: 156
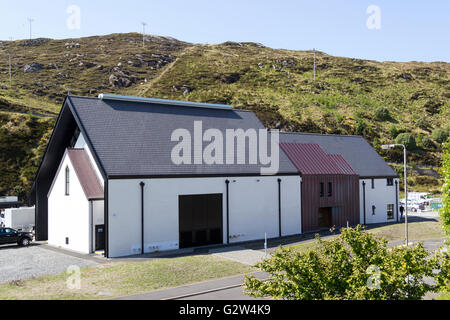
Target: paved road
x: 18, y: 263
x: 219, y: 289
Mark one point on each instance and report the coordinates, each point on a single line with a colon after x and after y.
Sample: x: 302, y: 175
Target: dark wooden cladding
x: 345, y: 195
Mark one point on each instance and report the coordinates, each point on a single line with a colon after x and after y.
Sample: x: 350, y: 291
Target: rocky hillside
x: 383, y: 101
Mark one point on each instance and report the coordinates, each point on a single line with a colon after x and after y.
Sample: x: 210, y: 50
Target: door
x: 99, y: 236
x: 325, y: 217
x: 200, y: 220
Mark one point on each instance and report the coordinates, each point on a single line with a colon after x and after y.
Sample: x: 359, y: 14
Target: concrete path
x: 220, y: 289
x: 240, y: 254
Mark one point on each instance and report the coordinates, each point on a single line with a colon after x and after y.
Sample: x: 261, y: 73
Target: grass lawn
x: 417, y: 231
x: 125, y: 278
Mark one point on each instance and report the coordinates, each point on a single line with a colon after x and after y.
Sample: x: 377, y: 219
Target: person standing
x: 402, y: 209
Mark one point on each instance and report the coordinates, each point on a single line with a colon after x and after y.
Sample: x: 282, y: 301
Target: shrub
x: 445, y: 172
x: 382, y: 114
x: 354, y: 265
x: 427, y: 143
x: 439, y: 135
x: 393, y: 131
x: 407, y: 139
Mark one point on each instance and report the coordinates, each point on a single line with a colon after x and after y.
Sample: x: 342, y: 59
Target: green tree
x: 354, y: 265
x: 445, y: 172
x: 407, y: 139
x: 439, y: 135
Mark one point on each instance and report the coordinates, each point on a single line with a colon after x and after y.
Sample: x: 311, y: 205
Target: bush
x: 393, y: 131
x: 407, y: 139
x: 427, y: 143
x: 439, y: 135
x: 382, y: 114
x: 354, y: 265
x: 445, y: 172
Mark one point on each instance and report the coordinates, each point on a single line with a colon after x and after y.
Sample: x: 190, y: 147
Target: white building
x: 108, y: 180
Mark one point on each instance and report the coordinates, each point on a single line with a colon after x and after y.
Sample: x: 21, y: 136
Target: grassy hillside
x: 379, y: 100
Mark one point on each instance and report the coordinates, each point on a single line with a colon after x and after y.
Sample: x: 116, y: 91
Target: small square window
x: 390, y: 181
x: 330, y: 190
x: 373, y: 183
x: 322, y: 187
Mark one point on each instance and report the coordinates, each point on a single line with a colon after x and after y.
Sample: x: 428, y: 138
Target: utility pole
x: 143, y: 34
x: 30, y: 20
x: 314, y: 49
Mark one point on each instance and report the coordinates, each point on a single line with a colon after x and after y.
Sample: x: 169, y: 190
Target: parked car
x: 9, y: 235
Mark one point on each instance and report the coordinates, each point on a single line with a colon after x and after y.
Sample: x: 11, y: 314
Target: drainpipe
x: 106, y: 217
x: 279, y: 207
x: 227, y: 182
x: 142, y: 184
x: 364, y: 201
x: 396, y: 198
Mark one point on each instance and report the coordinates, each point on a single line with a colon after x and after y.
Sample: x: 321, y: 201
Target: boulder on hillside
x: 34, y: 67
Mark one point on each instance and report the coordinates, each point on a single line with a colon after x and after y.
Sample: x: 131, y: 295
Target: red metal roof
x: 310, y: 159
x: 86, y: 174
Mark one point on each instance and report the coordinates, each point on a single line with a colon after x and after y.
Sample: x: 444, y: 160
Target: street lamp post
x: 389, y: 146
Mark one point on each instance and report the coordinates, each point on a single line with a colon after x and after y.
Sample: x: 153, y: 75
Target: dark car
x: 9, y: 235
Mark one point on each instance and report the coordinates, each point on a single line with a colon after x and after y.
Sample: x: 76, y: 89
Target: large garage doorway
x: 200, y: 219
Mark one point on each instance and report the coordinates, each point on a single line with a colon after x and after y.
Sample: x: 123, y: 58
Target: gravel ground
x: 18, y: 263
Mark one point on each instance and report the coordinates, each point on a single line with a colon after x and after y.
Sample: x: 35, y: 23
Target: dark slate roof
x: 354, y: 149
x: 86, y: 174
x: 310, y: 159
x: 134, y: 138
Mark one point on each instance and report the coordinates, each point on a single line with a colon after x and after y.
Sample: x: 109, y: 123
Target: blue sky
x: 409, y: 30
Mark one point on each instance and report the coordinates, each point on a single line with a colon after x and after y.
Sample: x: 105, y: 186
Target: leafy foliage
x: 382, y: 114
x: 406, y: 139
x: 445, y: 172
x: 354, y: 265
x: 439, y: 135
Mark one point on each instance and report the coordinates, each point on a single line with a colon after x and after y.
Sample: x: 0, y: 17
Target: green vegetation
x: 406, y: 139
x: 378, y: 100
x: 439, y: 135
x: 125, y: 278
x: 353, y: 265
x: 445, y: 171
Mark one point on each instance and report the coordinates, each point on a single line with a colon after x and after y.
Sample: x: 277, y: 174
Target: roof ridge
x: 322, y: 134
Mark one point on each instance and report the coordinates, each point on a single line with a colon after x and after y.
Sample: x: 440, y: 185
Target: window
x: 373, y: 210
x: 373, y: 183
x: 67, y: 180
x: 390, y: 181
x: 390, y: 211
x: 322, y: 189
x: 329, y: 189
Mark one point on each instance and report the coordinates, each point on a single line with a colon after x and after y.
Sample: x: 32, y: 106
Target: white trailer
x: 18, y: 218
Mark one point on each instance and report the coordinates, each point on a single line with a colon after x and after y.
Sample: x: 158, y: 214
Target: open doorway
x: 325, y: 218
x: 200, y: 220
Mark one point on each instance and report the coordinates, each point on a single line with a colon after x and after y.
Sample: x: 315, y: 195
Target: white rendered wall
x: 81, y: 144
x: 380, y: 197
x: 68, y: 216
x: 253, y: 210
